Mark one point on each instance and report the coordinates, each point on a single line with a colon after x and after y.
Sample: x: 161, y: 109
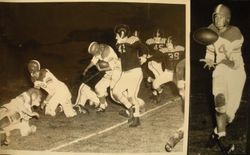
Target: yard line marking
x: 109, y: 128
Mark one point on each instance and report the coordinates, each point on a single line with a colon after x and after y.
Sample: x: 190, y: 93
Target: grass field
x: 103, y: 132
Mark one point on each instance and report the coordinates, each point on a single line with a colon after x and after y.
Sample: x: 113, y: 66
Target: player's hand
x: 208, y: 63
x: 143, y: 60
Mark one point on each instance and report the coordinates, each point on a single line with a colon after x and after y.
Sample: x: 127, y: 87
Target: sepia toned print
x: 112, y: 77
x: 220, y: 63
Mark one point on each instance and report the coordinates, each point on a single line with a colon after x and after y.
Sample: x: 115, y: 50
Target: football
x: 103, y: 64
x: 205, y: 36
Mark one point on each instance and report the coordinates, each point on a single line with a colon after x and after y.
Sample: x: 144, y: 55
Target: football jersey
x: 129, y: 52
x: 155, y: 44
x: 228, y: 46
x: 173, y: 57
x: 108, y: 55
x: 17, y: 107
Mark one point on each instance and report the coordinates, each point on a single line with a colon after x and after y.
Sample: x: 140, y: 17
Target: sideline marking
x: 110, y: 128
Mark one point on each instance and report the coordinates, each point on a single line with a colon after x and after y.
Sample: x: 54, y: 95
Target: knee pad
x: 220, y: 104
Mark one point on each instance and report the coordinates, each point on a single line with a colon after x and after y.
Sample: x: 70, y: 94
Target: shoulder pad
x: 212, y: 27
x: 179, y: 48
x: 163, y: 40
x: 150, y: 41
x: 132, y: 39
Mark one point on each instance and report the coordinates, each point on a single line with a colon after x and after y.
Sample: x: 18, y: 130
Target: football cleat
x: 134, y: 122
x: 124, y: 113
x: 213, y: 139
x: 100, y: 110
x: 155, y: 99
x: 84, y: 110
x: 225, y: 149
x: 230, y: 148
x: 173, y: 140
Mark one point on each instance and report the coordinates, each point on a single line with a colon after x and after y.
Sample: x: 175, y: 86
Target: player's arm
x: 209, y: 57
x: 210, y: 53
x: 91, y: 64
x: 236, y: 55
x: 143, y: 51
x: 108, y: 68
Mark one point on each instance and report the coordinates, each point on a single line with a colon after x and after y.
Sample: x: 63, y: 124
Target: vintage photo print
x: 94, y: 77
x: 219, y: 96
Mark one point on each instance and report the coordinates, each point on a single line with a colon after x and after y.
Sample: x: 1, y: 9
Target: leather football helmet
x: 34, y: 66
x: 224, y: 11
x: 122, y: 29
x: 93, y: 48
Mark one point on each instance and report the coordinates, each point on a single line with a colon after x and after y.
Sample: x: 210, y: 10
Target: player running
x: 172, y: 55
x: 155, y: 44
x: 103, y: 53
x: 132, y: 54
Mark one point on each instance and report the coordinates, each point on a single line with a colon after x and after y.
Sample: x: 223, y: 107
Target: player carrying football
x: 103, y: 53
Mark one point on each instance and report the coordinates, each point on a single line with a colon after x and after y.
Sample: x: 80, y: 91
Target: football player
x: 229, y: 75
x: 17, y: 113
x: 85, y: 93
x: 132, y: 54
x: 155, y: 44
x: 103, y: 53
x: 172, y: 55
x: 58, y: 93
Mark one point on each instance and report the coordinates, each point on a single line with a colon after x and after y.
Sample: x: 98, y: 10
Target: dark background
x: 201, y: 15
x: 58, y: 35
x: 26, y: 29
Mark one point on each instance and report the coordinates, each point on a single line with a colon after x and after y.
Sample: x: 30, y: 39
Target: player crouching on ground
x: 58, y: 93
x: 105, y: 59
x: 86, y: 94
x: 17, y: 113
x: 127, y: 88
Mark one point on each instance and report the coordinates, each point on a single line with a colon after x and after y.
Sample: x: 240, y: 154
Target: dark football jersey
x: 173, y: 58
x: 129, y: 53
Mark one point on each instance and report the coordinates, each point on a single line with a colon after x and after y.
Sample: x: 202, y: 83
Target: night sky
x: 54, y: 32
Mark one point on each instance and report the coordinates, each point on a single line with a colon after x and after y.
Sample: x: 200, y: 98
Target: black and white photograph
x: 95, y: 77
x: 219, y: 95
